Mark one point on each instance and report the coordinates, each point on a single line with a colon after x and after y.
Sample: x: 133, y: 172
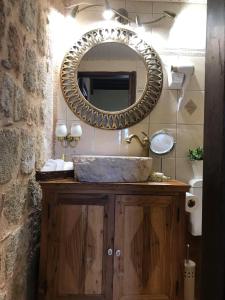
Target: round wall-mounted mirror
x: 111, y: 78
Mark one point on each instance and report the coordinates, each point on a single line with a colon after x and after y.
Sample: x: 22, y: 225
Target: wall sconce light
x: 121, y: 15
x: 68, y: 139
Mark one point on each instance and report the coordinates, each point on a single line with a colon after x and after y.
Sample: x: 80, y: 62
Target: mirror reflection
x: 112, y: 76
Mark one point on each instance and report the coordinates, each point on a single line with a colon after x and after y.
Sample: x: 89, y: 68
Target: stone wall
x: 25, y: 139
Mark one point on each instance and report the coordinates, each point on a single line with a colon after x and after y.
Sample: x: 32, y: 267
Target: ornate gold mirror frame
x: 97, y: 117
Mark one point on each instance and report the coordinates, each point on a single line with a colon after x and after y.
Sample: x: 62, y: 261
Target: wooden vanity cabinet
x: 112, y: 241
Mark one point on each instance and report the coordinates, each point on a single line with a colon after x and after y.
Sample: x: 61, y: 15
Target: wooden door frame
x: 213, y: 247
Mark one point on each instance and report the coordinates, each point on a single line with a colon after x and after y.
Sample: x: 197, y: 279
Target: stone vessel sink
x: 89, y: 168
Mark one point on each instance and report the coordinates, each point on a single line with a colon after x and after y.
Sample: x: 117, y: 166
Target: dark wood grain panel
x: 80, y: 235
x: 213, y: 241
x: 145, y: 248
x: 69, y: 186
x: 94, y: 250
x: 146, y: 232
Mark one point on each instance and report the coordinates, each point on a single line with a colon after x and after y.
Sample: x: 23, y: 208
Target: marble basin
x: 89, y: 168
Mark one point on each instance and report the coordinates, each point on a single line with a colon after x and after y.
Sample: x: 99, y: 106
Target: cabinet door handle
x: 110, y: 252
x: 118, y: 252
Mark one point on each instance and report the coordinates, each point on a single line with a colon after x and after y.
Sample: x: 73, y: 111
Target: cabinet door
x: 81, y: 232
x: 149, y: 248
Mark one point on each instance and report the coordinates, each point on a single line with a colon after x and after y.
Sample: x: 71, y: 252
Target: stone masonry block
x: 30, y: 71
x: 21, y: 105
x: 14, y: 204
x: 9, y: 144
x: 28, y: 14
x: 28, y: 153
x: 41, y: 34
x: 2, y: 21
x: 15, y: 53
x: 7, y: 89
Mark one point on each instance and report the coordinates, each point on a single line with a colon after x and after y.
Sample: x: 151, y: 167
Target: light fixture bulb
x: 76, y: 130
x: 108, y: 14
x: 60, y: 129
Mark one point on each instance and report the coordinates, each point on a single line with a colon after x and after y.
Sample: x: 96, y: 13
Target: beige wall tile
x: 107, y: 142
x: 139, y: 7
x: 144, y: 17
x: 188, y: 136
x: 86, y: 143
x: 156, y: 164
x: 161, y: 32
x: 171, y: 129
x: 192, y: 110
x: 166, y: 108
x: 61, y: 113
x: 88, y: 17
x: 169, y: 167
x: 159, y: 7
x: 184, y: 170
x: 59, y: 151
x: 167, y: 62
x: 71, y: 116
x: 114, y: 3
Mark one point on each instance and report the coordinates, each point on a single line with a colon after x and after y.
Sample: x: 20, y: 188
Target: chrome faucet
x: 144, y: 142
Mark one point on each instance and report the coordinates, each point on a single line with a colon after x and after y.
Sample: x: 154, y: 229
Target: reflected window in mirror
x: 109, y: 91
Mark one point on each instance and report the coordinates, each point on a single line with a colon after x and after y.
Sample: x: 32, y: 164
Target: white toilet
x: 195, y: 221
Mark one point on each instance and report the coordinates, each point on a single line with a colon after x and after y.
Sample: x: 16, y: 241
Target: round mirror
x: 161, y: 142
x: 112, y: 76
x: 106, y: 111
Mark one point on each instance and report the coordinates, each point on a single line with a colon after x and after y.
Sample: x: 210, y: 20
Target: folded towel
x: 57, y: 165
x: 68, y: 165
x: 50, y: 165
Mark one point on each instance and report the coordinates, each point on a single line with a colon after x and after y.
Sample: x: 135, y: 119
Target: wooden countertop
x: 70, y: 184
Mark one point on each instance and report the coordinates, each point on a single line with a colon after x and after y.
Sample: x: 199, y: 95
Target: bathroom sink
x: 89, y: 168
